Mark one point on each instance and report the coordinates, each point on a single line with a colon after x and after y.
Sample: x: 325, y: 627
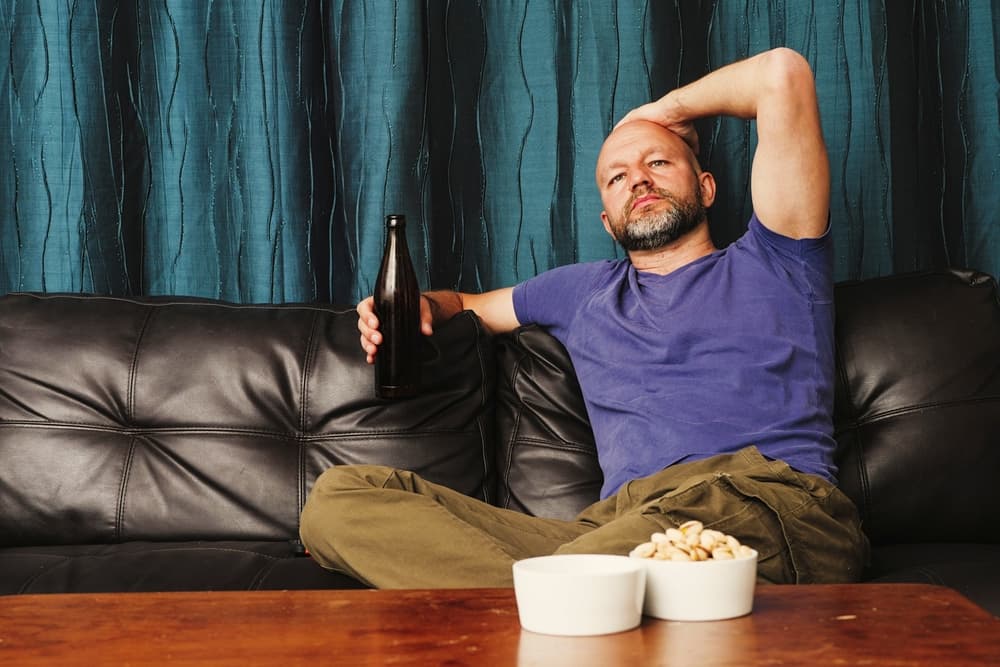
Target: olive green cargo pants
x: 392, y: 529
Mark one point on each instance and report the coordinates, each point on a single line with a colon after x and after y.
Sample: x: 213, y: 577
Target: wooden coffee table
x: 870, y: 624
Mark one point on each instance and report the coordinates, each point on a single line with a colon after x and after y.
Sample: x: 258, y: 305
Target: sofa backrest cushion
x: 546, y: 459
x: 169, y: 419
x: 918, y: 405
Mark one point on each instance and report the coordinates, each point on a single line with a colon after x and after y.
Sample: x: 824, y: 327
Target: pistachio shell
x: 709, y: 538
x: 691, y: 527
x: 674, y: 535
x: 644, y: 550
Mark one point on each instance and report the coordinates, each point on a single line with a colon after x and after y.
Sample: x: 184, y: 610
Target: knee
x: 325, y: 506
x: 349, y: 478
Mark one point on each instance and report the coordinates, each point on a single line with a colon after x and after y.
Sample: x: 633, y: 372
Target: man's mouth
x: 645, y: 199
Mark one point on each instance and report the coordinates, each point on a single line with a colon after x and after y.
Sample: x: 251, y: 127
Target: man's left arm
x: 790, y: 178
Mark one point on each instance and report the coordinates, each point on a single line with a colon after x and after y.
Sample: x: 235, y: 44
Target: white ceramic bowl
x: 709, y: 590
x: 579, y: 594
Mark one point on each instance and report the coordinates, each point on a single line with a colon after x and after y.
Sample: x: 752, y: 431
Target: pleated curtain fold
x: 249, y: 150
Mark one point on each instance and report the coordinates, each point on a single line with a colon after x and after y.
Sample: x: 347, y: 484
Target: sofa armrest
x: 918, y: 405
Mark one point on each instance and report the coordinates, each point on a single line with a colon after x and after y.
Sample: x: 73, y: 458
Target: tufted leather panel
x: 183, y: 419
x: 918, y: 405
x: 546, y: 458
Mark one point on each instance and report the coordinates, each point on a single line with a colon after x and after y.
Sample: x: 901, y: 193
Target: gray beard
x: 660, y: 228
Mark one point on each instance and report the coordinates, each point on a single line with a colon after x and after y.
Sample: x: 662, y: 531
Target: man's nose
x: 640, y: 178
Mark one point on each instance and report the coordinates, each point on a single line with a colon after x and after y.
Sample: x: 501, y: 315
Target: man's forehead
x: 636, y: 137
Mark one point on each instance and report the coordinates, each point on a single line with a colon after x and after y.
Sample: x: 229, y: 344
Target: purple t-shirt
x: 731, y: 350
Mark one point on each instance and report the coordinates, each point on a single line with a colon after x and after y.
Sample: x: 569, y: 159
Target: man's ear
x: 607, y: 223
x: 707, y: 184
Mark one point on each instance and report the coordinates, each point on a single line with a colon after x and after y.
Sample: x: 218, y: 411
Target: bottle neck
x: 395, y: 236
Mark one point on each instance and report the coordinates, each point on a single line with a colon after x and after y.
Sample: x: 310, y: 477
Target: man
x: 707, y: 374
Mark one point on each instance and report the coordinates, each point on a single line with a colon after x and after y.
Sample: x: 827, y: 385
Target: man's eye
x: 657, y: 163
x: 616, y: 178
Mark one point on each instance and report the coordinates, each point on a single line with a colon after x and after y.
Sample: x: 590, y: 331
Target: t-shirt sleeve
x: 809, y: 261
x: 552, y: 299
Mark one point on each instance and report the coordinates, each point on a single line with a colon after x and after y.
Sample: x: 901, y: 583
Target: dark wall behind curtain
x: 248, y: 150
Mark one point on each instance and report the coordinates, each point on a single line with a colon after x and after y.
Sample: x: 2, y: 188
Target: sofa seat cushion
x: 971, y: 569
x: 162, y: 566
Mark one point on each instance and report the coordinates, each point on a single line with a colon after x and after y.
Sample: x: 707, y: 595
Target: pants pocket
x: 778, y: 563
x: 721, y: 503
x: 817, y: 524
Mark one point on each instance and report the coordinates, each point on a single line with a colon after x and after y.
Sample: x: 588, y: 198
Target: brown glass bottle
x: 397, y: 306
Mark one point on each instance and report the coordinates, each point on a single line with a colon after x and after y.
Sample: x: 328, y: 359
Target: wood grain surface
x: 869, y: 624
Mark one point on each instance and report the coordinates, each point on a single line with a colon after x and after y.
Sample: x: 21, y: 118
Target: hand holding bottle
x: 368, y: 325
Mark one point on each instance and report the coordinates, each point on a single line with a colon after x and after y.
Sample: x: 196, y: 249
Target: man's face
x: 651, y: 186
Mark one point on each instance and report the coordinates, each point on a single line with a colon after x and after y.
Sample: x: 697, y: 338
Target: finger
x: 371, y: 337
x: 644, y: 112
x: 370, y: 349
x: 368, y: 331
x: 690, y: 136
x: 366, y: 312
x: 426, y: 317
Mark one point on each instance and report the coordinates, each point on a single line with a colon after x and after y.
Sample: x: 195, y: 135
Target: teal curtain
x: 248, y: 149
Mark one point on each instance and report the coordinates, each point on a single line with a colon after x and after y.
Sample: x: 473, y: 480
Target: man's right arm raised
x: 495, y: 310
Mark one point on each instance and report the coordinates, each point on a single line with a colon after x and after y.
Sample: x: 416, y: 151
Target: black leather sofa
x: 169, y: 443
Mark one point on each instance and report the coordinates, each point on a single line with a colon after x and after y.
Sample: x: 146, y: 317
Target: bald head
x: 638, y: 138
